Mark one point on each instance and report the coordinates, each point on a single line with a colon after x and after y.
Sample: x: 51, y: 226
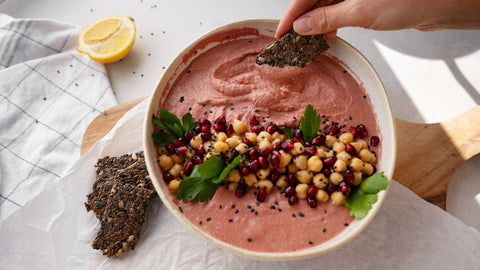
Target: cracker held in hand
x: 293, y: 50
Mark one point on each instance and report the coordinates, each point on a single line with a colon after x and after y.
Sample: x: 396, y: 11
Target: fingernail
x: 303, y: 25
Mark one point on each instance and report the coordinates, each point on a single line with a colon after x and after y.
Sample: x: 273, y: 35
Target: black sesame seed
x: 230, y: 220
x: 293, y: 215
x: 208, y: 219
x: 300, y: 214
x: 252, y: 210
x: 310, y: 242
x: 364, y: 96
x: 345, y: 224
x: 236, y: 211
x: 220, y: 206
x: 249, y: 239
x: 200, y: 223
x: 279, y: 209
x: 189, y: 71
x: 256, y: 213
x: 273, y: 207
x: 44, y: 98
x: 324, y: 230
x: 189, y: 108
x: 276, y: 203
x: 182, y: 99
x: 249, y: 206
x: 233, y: 205
x: 344, y: 71
x: 180, y: 209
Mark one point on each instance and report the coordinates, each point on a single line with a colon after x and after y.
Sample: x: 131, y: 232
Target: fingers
x: 295, y: 9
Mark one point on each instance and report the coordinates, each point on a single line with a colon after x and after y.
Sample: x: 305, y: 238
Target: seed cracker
x: 293, y: 50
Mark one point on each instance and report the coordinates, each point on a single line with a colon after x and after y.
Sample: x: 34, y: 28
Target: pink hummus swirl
x: 226, y: 80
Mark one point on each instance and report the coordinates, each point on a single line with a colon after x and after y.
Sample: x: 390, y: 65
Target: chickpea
x: 190, y: 153
x: 175, y: 170
x: 242, y: 148
x: 321, y: 153
x: 356, y: 164
x: 174, y: 186
x: 298, y: 148
x: 362, y: 143
x: 284, y: 158
x: 373, y: 159
x: 340, y: 166
x: 274, y: 141
x: 233, y: 186
x: 233, y: 176
x: 358, y: 177
x: 265, y: 144
x: 220, y: 137
x: 321, y: 196
x: 292, y: 168
x: 330, y: 140
x: 220, y: 147
x: 178, y: 158
x: 357, y: 146
x: 282, y: 170
x: 251, y: 136
x: 301, y: 190
x: 336, y: 178
x: 208, y: 146
x: 239, y: 127
x: 337, y: 197
x: 196, y: 141
x: 165, y: 162
x: 367, y: 169
x: 161, y: 150
x: 277, y: 136
x: 304, y: 176
x: 263, y: 135
x: 282, y: 182
x: 265, y: 184
x: 365, y: 155
x: 263, y: 173
x: 320, y: 180
x: 314, y: 164
x: 207, y: 155
x: 338, y: 147
x: 346, y: 138
x: 345, y: 157
x: 250, y: 179
x: 233, y: 142
x: 329, y: 153
x: 301, y: 162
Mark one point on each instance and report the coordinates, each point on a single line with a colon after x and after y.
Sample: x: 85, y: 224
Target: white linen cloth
x: 49, y: 94
x: 54, y: 231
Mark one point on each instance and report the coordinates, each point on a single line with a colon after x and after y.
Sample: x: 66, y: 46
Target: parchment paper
x: 54, y: 231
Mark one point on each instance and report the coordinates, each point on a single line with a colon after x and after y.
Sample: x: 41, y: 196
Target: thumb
x: 325, y: 19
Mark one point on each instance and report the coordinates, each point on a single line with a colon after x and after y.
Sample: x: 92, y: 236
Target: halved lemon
x: 108, y: 39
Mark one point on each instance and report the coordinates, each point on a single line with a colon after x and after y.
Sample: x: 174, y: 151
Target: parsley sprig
x: 309, y: 124
x: 205, y: 178
x: 171, y: 127
x: 362, y: 197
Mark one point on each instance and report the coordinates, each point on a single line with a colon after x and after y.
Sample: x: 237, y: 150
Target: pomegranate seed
x: 206, y: 136
x: 362, y: 130
x: 344, y: 187
x: 276, y: 153
x: 287, y: 146
x: 275, y: 161
x: 354, y: 132
x: 204, y: 122
x: 171, y: 148
x: 289, y: 191
x: 327, y: 171
x: 331, y: 188
x: 312, y: 191
x: 311, y: 151
x: 312, y: 202
x: 330, y: 161
x: 229, y: 130
x: 318, y: 140
x: 188, y: 135
x: 292, y: 179
x: 257, y: 129
x: 298, y: 133
x: 349, y: 176
x: 261, y: 195
x: 293, y: 200
x: 271, y: 128
x: 206, y: 128
x: 178, y: 143
x: 281, y: 129
x: 167, y: 177
x: 277, y: 146
x: 374, y: 140
x: 200, y: 150
x: 247, y: 142
x: 254, y: 166
x: 188, y: 168
x: 181, y: 150
x: 219, y: 127
x: 334, y: 130
x: 241, y: 190
x: 198, y: 129
x: 262, y: 162
x: 295, y: 140
x: 181, y: 173
x: 307, y: 144
x: 221, y: 120
x: 351, y: 150
x: 254, y: 121
x: 265, y: 151
x: 197, y: 160
x: 252, y: 154
x: 244, y: 170
x: 273, y: 176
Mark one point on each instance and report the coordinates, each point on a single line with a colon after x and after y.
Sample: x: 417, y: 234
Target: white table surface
x: 430, y: 77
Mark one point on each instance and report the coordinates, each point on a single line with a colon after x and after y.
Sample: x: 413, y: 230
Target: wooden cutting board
x: 427, y: 154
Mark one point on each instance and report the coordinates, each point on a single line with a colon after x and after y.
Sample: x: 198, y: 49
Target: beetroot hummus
x: 225, y: 80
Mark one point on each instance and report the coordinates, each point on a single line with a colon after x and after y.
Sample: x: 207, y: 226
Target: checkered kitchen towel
x: 49, y: 94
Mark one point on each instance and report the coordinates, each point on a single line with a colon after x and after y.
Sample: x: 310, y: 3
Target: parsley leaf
x: 289, y: 132
x: 227, y: 169
x: 362, y: 197
x: 163, y: 137
x: 310, y: 123
x: 171, y: 126
x: 188, y: 122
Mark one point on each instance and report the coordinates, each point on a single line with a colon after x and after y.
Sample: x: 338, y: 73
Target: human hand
x: 326, y: 16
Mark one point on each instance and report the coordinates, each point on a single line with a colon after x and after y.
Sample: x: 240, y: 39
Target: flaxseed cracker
x: 293, y: 50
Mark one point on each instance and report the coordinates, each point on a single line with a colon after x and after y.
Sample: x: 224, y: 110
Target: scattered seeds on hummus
x: 119, y: 199
x: 293, y: 50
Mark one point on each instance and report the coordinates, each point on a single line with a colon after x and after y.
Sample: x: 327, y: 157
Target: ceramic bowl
x: 339, y: 48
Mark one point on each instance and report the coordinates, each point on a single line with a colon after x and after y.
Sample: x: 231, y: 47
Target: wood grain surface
x: 427, y: 154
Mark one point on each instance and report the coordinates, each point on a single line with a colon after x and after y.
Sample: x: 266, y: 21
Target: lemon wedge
x: 108, y: 39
